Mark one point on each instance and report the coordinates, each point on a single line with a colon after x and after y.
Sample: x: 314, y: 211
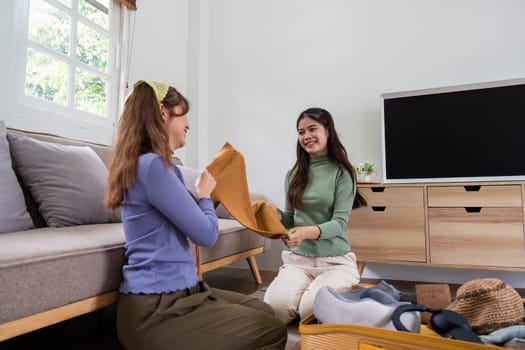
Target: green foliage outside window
x: 90, y: 93
x: 48, y: 74
x: 49, y: 27
x: 92, y: 47
x: 98, y: 14
x: 46, y: 77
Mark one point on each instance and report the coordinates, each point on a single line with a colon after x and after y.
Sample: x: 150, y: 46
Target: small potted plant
x: 364, y: 170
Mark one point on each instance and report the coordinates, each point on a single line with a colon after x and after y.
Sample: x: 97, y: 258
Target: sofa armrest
x: 235, y: 243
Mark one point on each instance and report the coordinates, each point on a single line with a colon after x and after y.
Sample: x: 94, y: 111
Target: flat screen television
x: 462, y: 133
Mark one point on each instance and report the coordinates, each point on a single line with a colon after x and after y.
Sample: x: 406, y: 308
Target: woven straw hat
x: 488, y: 304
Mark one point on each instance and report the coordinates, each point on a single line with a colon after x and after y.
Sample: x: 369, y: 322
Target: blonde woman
x: 162, y: 304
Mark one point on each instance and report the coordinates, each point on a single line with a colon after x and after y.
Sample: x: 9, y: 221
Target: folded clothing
x: 504, y: 335
x: 382, y: 292
x: 363, y: 306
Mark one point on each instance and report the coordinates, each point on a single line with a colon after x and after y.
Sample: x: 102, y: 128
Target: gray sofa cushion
x: 103, y: 151
x: 67, y: 182
x: 49, y: 267
x: 13, y: 212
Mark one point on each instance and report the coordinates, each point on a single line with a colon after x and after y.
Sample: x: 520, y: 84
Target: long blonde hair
x: 141, y: 130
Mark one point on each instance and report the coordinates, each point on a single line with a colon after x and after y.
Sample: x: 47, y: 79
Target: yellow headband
x: 161, y: 89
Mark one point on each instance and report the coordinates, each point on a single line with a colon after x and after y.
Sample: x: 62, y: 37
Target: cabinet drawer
x: 490, y: 237
x: 475, y: 196
x: 392, y: 196
x: 388, y: 233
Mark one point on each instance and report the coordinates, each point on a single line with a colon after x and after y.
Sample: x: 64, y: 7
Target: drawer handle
x: 472, y: 188
x: 378, y: 189
x: 378, y: 208
x: 472, y: 209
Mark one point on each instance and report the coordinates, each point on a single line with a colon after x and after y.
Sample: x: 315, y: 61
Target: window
x: 68, y: 63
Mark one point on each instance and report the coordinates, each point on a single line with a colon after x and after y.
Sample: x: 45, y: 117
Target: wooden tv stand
x: 478, y: 225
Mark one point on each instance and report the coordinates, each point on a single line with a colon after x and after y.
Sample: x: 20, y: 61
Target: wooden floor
x: 97, y: 330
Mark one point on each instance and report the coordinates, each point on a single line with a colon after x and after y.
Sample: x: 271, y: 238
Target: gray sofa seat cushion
x: 47, y: 243
x: 228, y: 226
x: 44, y: 268
x: 13, y: 213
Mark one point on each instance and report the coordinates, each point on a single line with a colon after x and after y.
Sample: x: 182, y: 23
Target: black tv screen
x: 471, y: 132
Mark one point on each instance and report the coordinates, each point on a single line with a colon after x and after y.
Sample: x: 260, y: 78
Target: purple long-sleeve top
x: 160, y: 218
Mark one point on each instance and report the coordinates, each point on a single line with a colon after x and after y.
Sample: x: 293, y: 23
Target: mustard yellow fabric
x: 228, y: 169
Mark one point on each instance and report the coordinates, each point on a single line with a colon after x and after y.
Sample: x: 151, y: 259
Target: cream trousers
x: 293, y: 290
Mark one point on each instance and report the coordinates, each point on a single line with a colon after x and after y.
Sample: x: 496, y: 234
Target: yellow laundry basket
x: 316, y: 336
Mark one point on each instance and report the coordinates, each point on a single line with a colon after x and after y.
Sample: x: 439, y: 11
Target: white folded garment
x: 333, y: 307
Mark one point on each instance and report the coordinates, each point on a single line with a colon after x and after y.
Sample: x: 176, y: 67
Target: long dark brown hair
x: 336, y: 153
x: 141, y: 130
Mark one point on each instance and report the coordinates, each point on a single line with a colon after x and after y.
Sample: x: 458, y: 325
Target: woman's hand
x: 205, y: 184
x: 297, y: 234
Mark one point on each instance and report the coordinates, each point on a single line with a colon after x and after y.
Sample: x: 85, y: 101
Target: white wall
x: 160, y: 45
x: 249, y: 67
x: 268, y: 60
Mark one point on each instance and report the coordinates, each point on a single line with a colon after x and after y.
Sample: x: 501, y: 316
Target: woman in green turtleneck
x: 320, y: 193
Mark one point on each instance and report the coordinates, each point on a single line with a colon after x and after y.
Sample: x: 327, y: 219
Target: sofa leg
x: 198, y: 266
x: 255, y: 270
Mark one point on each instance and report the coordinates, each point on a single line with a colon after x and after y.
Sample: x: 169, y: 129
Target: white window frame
x: 32, y: 113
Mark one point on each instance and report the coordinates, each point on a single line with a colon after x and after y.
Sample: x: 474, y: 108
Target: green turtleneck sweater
x: 326, y: 202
